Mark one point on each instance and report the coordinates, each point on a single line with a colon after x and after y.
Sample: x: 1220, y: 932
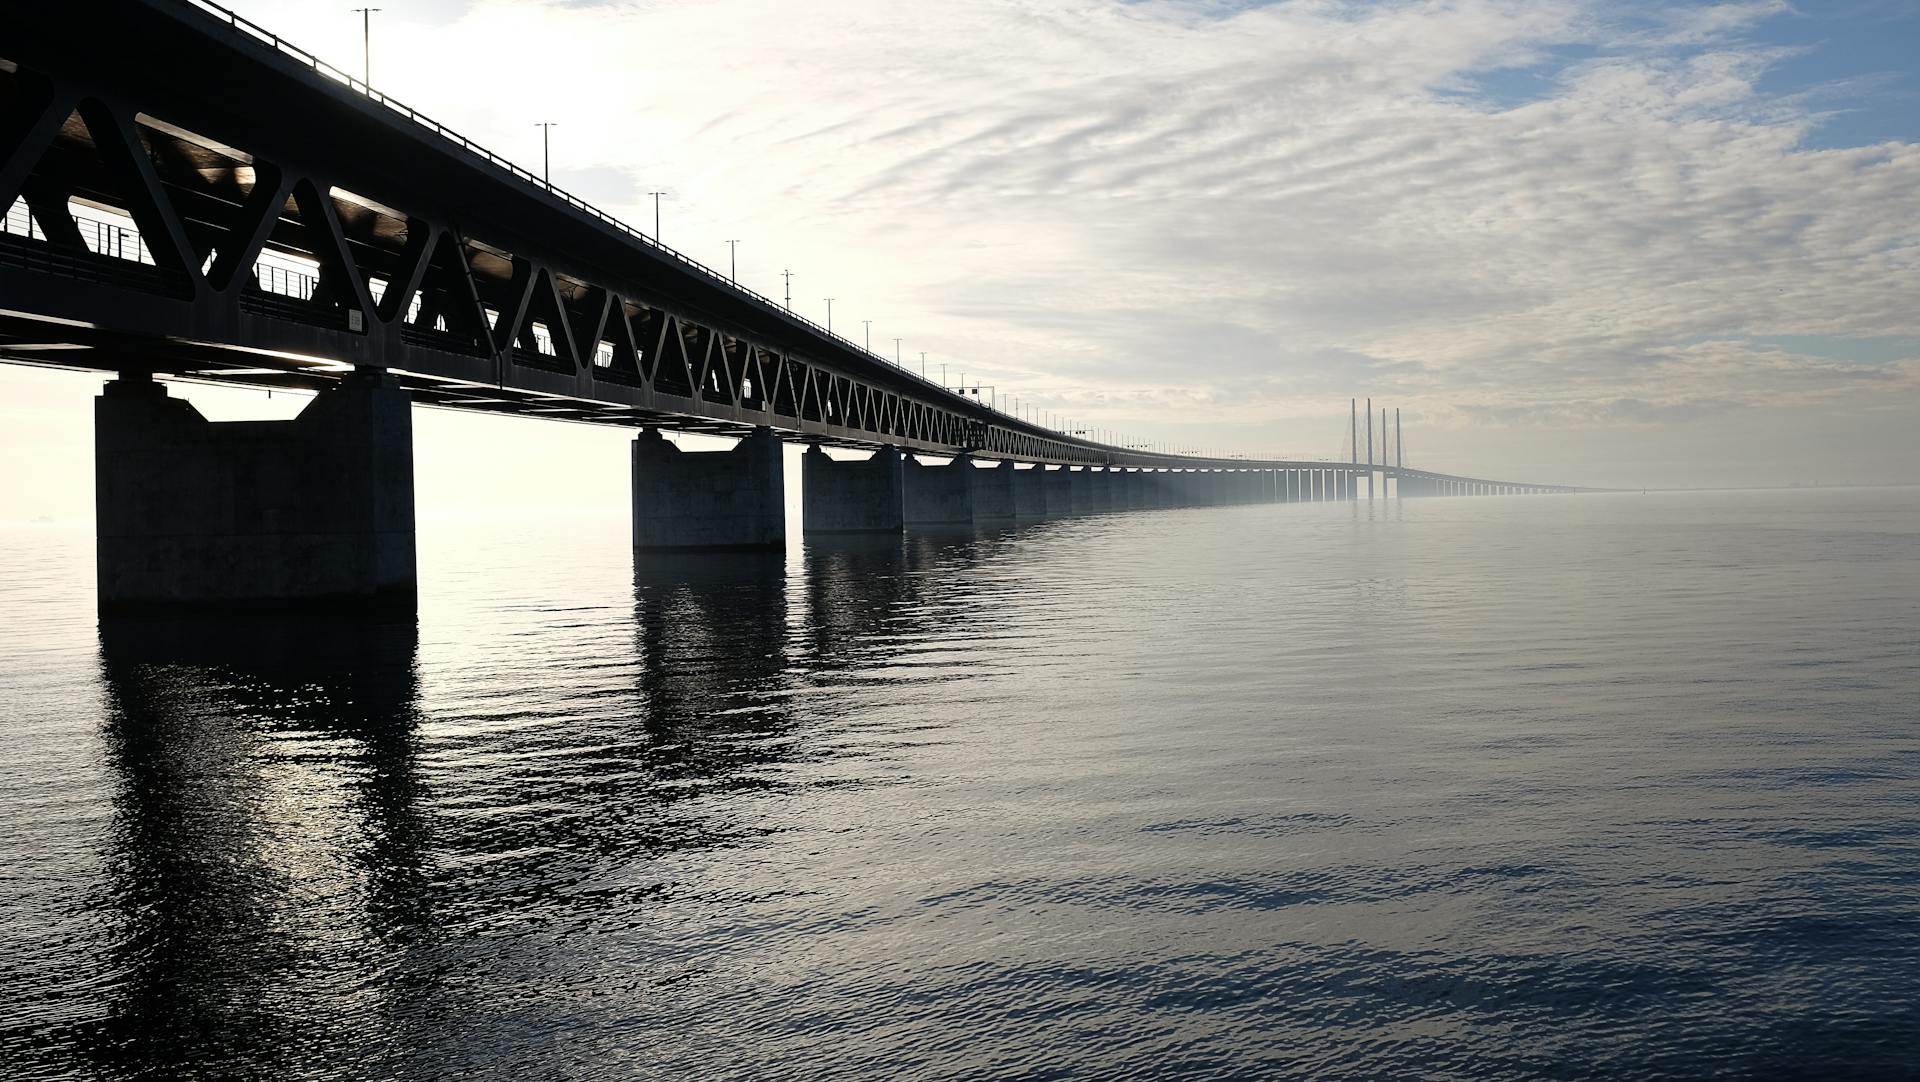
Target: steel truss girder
x: 685, y: 347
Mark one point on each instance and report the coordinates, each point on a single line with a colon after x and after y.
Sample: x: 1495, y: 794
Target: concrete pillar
x: 992, y: 492
x: 313, y: 511
x: 1156, y: 492
x: 938, y: 495
x: 1029, y: 492
x: 1092, y: 491
x: 1140, y: 490
x: 852, y: 497
x: 1181, y: 488
x: 733, y: 499
x: 1059, y: 488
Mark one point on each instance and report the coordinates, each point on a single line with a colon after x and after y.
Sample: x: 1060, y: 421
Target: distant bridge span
x: 257, y: 217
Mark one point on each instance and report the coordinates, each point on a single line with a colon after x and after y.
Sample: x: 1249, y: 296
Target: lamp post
x: 868, y: 324
x: 829, y: 315
x: 366, y: 45
x: 896, y: 353
x: 788, y: 275
x: 656, y: 215
x: 546, y: 150
x: 733, y: 262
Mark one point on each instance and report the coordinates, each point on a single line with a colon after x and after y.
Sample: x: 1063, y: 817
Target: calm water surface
x: 1612, y: 786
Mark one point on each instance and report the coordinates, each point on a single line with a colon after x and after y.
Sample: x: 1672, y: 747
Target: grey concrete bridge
x: 190, y: 197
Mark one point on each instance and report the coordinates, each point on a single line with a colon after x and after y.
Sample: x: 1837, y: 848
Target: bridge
x: 190, y: 197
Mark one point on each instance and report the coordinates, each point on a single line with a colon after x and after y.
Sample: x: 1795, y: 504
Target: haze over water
x: 1549, y: 787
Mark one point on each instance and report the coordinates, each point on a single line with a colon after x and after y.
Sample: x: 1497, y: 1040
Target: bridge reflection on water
x: 301, y: 882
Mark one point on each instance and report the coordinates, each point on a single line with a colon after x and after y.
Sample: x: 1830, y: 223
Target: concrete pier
x: 938, y: 495
x: 1091, y: 491
x: 852, y: 497
x: 1059, y: 486
x: 733, y: 499
x: 992, y: 491
x: 315, y: 511
x: 1029, y: 491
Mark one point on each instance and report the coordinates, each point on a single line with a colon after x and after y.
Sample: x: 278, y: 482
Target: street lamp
x: 366, y: 45
x: 829, y: 315
x: 546, y: 154
x: 868, y: 324
x: 656, y: 215
x: 896, y: 353
x: 788, y: 275
x: 733, y: 262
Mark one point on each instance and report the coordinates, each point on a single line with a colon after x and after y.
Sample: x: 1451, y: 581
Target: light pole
x: 656, y: 215
x: 829, y: 315
x: 366, y: 45
x: 733, y: 263
x: 788, y: 275
x: 896, y: 354
x: 546, y: 151
x: 868, y: 324
x: 923, y: 364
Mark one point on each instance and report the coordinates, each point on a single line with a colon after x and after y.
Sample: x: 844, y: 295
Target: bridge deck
x: 255, y: 217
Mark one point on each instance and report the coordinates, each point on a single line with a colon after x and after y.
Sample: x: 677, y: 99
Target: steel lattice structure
x: 286, y: 223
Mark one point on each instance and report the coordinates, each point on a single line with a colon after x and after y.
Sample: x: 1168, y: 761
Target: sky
x: 1609, y: 242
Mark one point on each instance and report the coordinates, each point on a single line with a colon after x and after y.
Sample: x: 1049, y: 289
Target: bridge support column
x: 1058, y: 484
x: 1180, y: 488
x: 1153, y: 489
x: 313, y: 511
x: 732, y: 499
x: 1090, y: 491
x: 938, y: 495
x: 992, y: 491
x: 1029, y: 492
x: 852, y: 497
